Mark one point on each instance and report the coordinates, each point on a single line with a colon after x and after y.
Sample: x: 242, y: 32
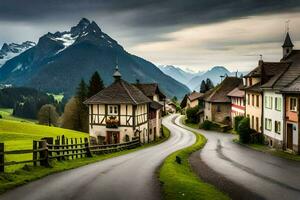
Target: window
x: 257, y: 100
x: 250, y: 81
x: 268, y: 102
x: 218, y: 108
x: 248, y: 99
x: 293, y: 104
x: 277, y: 127
x: 278, y: 103
x: 113, y: 110
x: 257, y: 123
x: 268, y: 124
x: 252, y: 122
x: 252, y: 99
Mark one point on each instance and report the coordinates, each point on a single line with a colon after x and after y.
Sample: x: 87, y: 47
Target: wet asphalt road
x: 268, y: 176
x: 130, y: 176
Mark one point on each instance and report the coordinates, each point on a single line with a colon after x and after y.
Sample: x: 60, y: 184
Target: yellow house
x: 120, y: 112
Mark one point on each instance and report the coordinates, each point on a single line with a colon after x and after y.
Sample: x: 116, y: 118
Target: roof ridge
x: 127, y: 91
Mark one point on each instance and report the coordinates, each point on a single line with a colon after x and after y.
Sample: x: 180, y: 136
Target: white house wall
x: 274, y: 115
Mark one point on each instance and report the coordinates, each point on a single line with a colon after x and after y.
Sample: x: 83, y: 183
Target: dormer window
x: 113, y: 110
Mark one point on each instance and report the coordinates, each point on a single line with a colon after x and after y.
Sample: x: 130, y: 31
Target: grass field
x: 24, y: 175
x: 179, y: 182
x: 6, y: 113
x: 18, y: 135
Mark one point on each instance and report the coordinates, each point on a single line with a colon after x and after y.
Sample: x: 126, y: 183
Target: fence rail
x: 62, y: 148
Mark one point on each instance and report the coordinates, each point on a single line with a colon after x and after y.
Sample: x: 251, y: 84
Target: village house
x: 192, y: 100
x: 237, y: 97
x: 171, y: 107
x: 218, y: 104
x: 157, y: 106
x: 121, y: 112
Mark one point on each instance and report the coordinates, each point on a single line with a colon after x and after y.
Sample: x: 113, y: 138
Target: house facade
x: 218, y: 104
x: 237, y: 97
x: 121, y: 112
x: 192, y: 100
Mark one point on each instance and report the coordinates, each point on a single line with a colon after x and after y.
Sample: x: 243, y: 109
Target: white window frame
x: 268, y: 124
x: 277, y: 127
x: 268, y: 102
x: 113, y: 110
x: 278, y: 103
x: 295, y: 107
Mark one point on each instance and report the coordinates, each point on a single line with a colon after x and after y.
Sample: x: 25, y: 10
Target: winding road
x: 131, y: 176
x: 268, y: 176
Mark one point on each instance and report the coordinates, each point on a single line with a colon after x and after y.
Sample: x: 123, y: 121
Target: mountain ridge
x: 61, y: 59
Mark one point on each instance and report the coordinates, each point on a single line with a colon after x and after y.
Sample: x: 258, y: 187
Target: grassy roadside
x: 274, y: 152
x: 180, y: 182
x: 29, y: 173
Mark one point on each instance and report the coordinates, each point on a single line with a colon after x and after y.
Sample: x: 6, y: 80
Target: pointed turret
x: 287, y: 46
x: 117, y: 75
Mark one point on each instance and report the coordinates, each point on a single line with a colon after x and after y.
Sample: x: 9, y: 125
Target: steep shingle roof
x: 236, y: 92
x: 219, y: 93
x: 120, y: 92
x: 195, y: 95
x: 150, y: 89
x: 287, y: 41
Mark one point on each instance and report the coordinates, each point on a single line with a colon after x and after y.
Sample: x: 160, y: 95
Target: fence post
x: 57, y: 143
x: 44, y: 154
x: 67, y: 148
x: 49, y: 141
x: 34, y: 154
x: 87, y: 148
x: 63, y: 143
x: 72, y: 147
x: 1, y: 157
x: 76, y: 148
x: 81, y: 155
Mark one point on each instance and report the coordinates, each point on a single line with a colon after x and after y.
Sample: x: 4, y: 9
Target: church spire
x: 117, y: 75
x: 288, y: 45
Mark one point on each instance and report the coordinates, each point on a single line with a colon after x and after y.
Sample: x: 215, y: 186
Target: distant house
x: 237, y: 97
x: 191, y: 100
x: 171, y: 107
x: 121, y: 112
x: 218, y: 104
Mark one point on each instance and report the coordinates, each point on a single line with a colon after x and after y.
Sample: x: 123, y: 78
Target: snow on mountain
x: 11, y: 50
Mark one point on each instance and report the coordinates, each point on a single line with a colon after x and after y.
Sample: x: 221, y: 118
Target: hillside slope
x: 59, y: 60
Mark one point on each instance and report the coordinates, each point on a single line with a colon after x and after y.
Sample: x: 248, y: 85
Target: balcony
x: 112, y: 122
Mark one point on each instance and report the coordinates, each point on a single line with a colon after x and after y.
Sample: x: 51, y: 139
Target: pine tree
x: 95, y: 84
x: 203, y: 87
x: 209, y: 84
x: 81, y: 91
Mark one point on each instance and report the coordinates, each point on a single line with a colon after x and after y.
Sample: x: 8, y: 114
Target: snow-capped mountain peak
x: 11, y: 50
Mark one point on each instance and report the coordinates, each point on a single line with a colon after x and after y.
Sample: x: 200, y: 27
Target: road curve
x: 131, y: 176
x: 268, y: 176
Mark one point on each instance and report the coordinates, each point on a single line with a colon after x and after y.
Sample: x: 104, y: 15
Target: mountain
x: 176, y: 73
x: 11, y: 50
x: 59, y: 60
x: 214, y: 74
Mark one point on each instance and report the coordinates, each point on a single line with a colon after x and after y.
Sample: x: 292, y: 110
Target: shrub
x: 244, y: 130
x: 237, y: 120
x: 1, y: 117
x: 207, y: 125
x: 192, y: 115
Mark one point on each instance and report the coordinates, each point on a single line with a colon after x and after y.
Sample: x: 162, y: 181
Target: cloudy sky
x: 192, y: 34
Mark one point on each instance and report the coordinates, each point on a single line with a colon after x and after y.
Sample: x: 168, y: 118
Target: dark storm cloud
x: 146, y: 13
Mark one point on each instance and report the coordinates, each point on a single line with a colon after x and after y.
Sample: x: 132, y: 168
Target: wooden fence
x: 61, y: 149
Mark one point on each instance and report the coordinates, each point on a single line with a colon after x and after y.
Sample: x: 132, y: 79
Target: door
x: 289, y: 136
x: 113, y: 137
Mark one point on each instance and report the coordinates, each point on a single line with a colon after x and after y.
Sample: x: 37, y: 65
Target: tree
x: 95, y: 84
x: 174, y: 99
x: 244, y: 130
x: 47, y: 115
x: 209, y: 84
x: 203, y: 88
x: 70, y: 118
x: 82, y: 91
x: 192, y: 115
